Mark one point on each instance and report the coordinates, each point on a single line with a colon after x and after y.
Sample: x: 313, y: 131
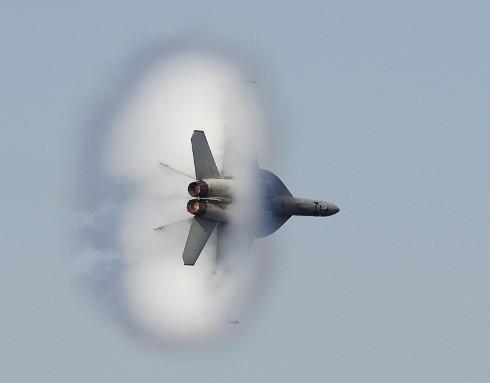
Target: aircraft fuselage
x: 283, y: 205
x: 271, y: 204
x: 217, y: 207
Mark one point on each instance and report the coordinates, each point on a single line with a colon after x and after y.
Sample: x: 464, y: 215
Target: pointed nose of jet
x: 331, y: 209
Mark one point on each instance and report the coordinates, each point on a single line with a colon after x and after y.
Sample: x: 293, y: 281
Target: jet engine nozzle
x: 209, y: 188
x: 196, y: 207
x: 198, y: 189
x: 211, y: 210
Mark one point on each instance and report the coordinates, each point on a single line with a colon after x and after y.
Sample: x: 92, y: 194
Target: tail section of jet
x: 207, y: 214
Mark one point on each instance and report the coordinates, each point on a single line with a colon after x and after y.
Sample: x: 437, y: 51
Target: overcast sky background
x: 382, y: 107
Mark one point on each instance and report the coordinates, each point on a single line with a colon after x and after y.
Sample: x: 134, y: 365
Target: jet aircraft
x: 213, y: 200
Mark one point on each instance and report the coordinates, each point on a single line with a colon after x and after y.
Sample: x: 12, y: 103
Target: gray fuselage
x: 284, y: 205
x: 258, y: 205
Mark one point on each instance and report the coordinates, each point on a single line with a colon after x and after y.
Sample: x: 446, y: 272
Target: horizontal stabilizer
x: 203, y: 158
x: 199, y: 233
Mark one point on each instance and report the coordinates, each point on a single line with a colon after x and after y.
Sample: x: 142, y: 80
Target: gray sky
x: 382, y: 108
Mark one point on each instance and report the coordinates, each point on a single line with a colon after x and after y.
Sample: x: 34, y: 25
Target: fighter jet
x: 213, y: 201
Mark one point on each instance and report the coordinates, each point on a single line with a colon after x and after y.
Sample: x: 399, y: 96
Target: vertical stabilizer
x: 203, y: 158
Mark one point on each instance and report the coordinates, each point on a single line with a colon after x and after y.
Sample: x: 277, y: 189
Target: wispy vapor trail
x: 138, y: 270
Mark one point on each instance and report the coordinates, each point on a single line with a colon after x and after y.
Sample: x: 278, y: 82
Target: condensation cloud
x: 127, y: 193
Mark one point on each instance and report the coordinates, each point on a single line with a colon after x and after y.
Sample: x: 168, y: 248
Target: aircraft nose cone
x: 332, y: 209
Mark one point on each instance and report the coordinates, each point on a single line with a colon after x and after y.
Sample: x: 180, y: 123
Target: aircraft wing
x: 199, y: 233
x: 203, y: 158
x: 270, y: 224
x: 233, y: 245
x: 277, y: 184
